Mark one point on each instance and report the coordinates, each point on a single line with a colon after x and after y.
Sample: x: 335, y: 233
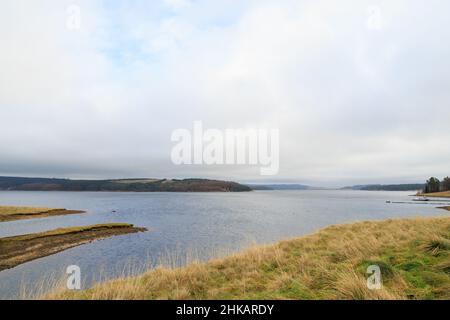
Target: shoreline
x: 329, y: 264
x: 17, y: 250
x: 14, y: 213
x: 444, y: 194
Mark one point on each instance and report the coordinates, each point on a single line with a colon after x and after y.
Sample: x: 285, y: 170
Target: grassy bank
x: 445, y: 194
x: 20, y: 249
x: 413, y: 254
x: 10, y: 213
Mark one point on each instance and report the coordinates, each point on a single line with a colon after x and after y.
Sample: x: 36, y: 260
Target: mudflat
x: 12, y: 213
x: 20, y: 249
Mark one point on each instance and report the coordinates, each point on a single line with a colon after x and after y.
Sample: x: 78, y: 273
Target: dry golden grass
x: 9, y: 213
x: 444, y: 194
x: 413, y: 255
x: 10, y: 210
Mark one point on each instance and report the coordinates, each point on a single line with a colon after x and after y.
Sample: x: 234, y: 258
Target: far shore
x: 20, y: 249
x: 12, y: 213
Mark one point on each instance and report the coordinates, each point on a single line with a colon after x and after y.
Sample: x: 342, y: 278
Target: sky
x: 359, y: 90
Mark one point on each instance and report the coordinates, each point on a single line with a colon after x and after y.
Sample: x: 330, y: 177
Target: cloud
x: 177, y: 4
x: 352, y: 102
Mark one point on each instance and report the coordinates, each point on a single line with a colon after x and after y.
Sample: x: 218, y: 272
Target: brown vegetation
x: 444, y: 194
x: 20, y: 249
x: 10, y: 213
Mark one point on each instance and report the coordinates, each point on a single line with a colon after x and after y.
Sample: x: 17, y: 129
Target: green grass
x: 420, y: 267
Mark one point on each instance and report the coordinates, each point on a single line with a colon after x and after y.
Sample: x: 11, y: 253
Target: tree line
x: 435, y: 185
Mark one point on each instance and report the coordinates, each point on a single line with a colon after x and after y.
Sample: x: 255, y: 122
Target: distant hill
x: 124, y: 185
x: 387, y: 187
x: 281, y: 187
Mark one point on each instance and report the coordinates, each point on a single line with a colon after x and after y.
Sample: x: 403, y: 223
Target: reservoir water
x: 186, y: 224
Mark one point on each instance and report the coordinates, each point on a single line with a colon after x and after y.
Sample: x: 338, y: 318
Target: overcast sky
x: 360, y: 90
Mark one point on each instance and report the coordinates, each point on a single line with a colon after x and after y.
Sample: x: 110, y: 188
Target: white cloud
x: 177, y: 4
x: 351, y: 102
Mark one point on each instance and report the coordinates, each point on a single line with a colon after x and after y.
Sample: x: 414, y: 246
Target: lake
x: 183, y: 225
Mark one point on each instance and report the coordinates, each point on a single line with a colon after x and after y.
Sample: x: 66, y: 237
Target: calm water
x: 182, y: 223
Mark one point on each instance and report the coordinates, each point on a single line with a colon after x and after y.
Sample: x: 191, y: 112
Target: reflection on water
x: 198, y: 223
